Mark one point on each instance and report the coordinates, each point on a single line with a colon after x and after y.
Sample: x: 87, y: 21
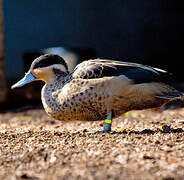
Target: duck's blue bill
x: 25, y: 80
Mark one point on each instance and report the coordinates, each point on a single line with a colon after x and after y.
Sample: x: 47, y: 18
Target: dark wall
x: 149, y: 31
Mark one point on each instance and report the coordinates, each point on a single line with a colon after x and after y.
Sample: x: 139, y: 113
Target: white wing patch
x: 161, y: 70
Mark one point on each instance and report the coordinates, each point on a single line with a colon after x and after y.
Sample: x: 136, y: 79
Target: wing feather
x: 138, y: 73
x: 151, y: 80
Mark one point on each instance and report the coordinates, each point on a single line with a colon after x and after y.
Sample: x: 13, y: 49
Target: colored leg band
x: 108, y: 121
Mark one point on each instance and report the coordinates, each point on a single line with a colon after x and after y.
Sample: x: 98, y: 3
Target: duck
x: 98, y: 89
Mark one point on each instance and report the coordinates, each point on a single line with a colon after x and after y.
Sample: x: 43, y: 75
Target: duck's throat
x: 50, y: 99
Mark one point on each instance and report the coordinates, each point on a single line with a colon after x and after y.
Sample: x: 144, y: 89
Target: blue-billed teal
x: 98, y: 89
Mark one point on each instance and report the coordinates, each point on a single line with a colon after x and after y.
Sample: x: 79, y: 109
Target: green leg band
x: 108, y: 121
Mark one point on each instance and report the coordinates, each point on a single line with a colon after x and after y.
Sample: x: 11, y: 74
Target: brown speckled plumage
x: 97, y: 87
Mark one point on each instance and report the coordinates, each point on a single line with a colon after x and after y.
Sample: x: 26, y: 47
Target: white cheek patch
x: 48, y: 70
x: 46, y: 73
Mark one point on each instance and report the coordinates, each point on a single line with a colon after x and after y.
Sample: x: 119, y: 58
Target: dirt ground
x: 146, y: 145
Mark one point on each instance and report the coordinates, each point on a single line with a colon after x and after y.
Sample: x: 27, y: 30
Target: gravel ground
x: 146, y: 145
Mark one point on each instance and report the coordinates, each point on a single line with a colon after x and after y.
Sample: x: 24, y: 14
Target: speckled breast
x: 77, y: 101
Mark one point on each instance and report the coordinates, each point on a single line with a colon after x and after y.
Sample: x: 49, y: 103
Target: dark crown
x: 48, y: 60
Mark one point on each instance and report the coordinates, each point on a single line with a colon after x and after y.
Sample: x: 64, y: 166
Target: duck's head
x: 45, y: 68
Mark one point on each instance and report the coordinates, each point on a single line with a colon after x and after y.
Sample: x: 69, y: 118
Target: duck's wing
x: 137, y: 73
x: 100, y: 68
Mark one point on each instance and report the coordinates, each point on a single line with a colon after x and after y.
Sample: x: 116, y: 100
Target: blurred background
x: 149, y: 32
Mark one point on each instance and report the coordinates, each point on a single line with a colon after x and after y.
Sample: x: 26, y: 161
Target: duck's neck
x: 50, y: 93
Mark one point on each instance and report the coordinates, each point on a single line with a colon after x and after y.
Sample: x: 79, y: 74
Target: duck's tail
x: 174, y: 94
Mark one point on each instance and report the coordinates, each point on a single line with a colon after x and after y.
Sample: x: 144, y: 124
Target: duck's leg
x: 107, y: 126
x: 108, y: 122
